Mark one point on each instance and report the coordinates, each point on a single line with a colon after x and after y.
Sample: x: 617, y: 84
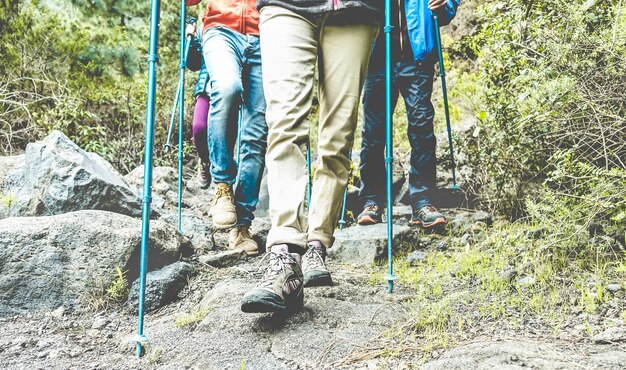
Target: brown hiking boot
x: 222, y: 207
x: 240, y: 238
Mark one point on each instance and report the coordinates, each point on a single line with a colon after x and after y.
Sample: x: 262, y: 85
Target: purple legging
x: 199, y: 127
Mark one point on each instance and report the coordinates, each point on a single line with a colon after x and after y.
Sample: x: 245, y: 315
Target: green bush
x: 552, y: 82
x: 83, y: 71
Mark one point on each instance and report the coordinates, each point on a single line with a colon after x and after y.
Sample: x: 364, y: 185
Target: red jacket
x: 238, y: 15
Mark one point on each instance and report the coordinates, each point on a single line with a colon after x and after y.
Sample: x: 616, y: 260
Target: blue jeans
x: 233, y: 61
x: 415, y: 83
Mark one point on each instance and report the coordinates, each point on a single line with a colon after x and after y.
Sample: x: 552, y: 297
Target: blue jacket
x: 421, y: 26
x: 202, y: 86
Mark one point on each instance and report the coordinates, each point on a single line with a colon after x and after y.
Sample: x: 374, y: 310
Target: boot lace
x: 244, y: 232
x: 372, y: 208
x: 220, y: 191
x: 313, y: 259
x: 427, y: 209
x: 275, y: 266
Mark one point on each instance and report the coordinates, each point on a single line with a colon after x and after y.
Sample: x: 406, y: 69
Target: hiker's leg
x: 372, y: 164
x: 416, y: 84
x: 253, y: 135
x: 199, y: 127
x: 344, y: 57
x: 223, y: 58
x: 289, y: 53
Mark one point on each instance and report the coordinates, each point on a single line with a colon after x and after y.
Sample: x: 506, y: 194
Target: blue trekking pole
x: 308, y: 165
x: 184, y: 50
x: 167, y: 144
x: 442, y: 72
x: 147, y: 170
x: 389, y: 144
x: 342, y: 221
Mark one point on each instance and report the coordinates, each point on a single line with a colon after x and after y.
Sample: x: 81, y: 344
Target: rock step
x: 52, y: 261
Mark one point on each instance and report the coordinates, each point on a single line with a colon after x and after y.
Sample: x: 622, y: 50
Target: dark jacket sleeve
x: 194, y: 58
x: 446, y: 15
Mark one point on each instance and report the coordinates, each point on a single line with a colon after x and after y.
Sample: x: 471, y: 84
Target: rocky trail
x: 68, y: 226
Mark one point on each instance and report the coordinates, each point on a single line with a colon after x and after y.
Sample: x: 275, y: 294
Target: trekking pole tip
x: 454, y: 187
x: 390, y: 280
x: 342, y: 224
x: 141, y: 341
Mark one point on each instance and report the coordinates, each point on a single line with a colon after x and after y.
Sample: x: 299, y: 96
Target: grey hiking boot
x: 371, y: 215
x: 314, y: 267
x: 240, y: 238
x: 222, y: 207
x: 280, y: 288
x: 204, y: 175
x: 427, y: 217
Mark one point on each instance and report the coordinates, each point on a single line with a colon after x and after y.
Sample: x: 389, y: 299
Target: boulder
x: 196, y: 228
x: 416, y: 257
x: 613, y: 334
x: 367, y: 244
x: 222, y: 259
x: 59, y: 177
x: 164, y: 184
x: 162, y: 286
x: 9, y: 164
x: 52, y: 261
x: 521, y: 354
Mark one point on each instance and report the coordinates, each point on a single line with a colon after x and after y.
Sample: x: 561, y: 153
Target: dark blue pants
x: 415, y: 83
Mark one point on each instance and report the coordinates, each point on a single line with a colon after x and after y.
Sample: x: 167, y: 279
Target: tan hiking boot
x: 240, y: 238
x: 222, y: 207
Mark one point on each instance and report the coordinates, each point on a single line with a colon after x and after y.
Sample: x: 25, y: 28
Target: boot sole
x: 317, y: 278
x: 367, y: 220
x: 439, y: 221
x: 272, y: 303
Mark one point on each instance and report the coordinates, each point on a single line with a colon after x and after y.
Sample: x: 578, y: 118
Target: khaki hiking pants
x: 291, y: 47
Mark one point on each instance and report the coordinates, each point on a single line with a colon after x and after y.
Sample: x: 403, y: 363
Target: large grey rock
x: 366, y: 244
x: 164, y: 184
x: 196, y: 228
x: 8, y: 165
x: 335, y: 322
x: 224, y: 258
x: 59, y: 177
x: 46, y: 262
x: 7, y: 198
x: 162, y: 286
x: 416, y: 257
x: 611, y: 335
x: 519, y: 354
